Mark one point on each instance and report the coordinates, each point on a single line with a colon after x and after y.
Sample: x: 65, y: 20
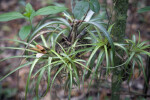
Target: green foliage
x: 80, y: 9
x: 24, y: 32
x: 145, y: 9
x: 60, y: 49
x: 135, y: 52
x: 94, y: 5
x: 29, y: 12
x: 10, y: 16
x: 50, y: 10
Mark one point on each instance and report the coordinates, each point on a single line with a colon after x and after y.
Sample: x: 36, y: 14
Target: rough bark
x: 68, y: 4
x: 147, y: 3
x: 147, y: 70
x: 118, y: 31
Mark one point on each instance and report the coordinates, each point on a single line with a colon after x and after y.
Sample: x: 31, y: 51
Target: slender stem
x: 31, y: 23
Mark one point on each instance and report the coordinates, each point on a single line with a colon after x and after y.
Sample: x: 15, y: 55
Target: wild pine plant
x: 59, y: 44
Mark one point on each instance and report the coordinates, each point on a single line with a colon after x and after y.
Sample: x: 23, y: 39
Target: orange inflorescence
x: 39, y: 49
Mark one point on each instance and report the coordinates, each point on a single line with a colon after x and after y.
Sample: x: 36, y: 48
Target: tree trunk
x: 68, y: 4
x: 147, y: 3
x: 147, y: 70
x: 118, y: 31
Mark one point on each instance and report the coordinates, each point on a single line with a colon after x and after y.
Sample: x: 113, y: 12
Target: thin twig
x: 82, y: 33
x: 83, y: 18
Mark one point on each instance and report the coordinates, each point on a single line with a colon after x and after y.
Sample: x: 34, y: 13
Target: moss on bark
x: 120, y: 7
x: 118, y: 31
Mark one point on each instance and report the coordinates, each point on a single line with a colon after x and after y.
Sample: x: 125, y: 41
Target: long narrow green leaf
x: 91, y: 66
x: 57, y: 37
x: 107, y: 59
x: 43, y: 26
x: 70, y: 82
x: 91, y: 56
x: 44, y: 41
x: 24, y: 65
x: 28, y: 80
x: 142, y: 43
x: 56, y: 76
x: 130, y: 41
x: 65, y: 22
x: 83, y: 65
x: 138, y: 65
x: 73, y: 66
x: 61, y: 47
x: 99, y: 61
x: 82, y: 50
x: 48, y: 75
x: 124, y: 63
x: 121, y: 46
x: 145, y: 9
x: 98, y: 31
x: 68, y: 16
x: 145, y: 47
x: 132, y: 71
x: 17, y: 48
x: 89, y: 60
x: 18, y: 42
x: 142, y: 65
x: 130, y: 58
x: 139, y: 40
x: 93, y: 35
x: 145, y: 52
x: 38, y: 82
x: 112, y: 58
x: 107, y: 35
x: 56, y: 63
x: 80, y: 60
x: 39, y: 70
x: 110, y: 28
x: 134, y: 38
x: 59, y: 57
x: 76, y: 75
x: 24, y: 56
